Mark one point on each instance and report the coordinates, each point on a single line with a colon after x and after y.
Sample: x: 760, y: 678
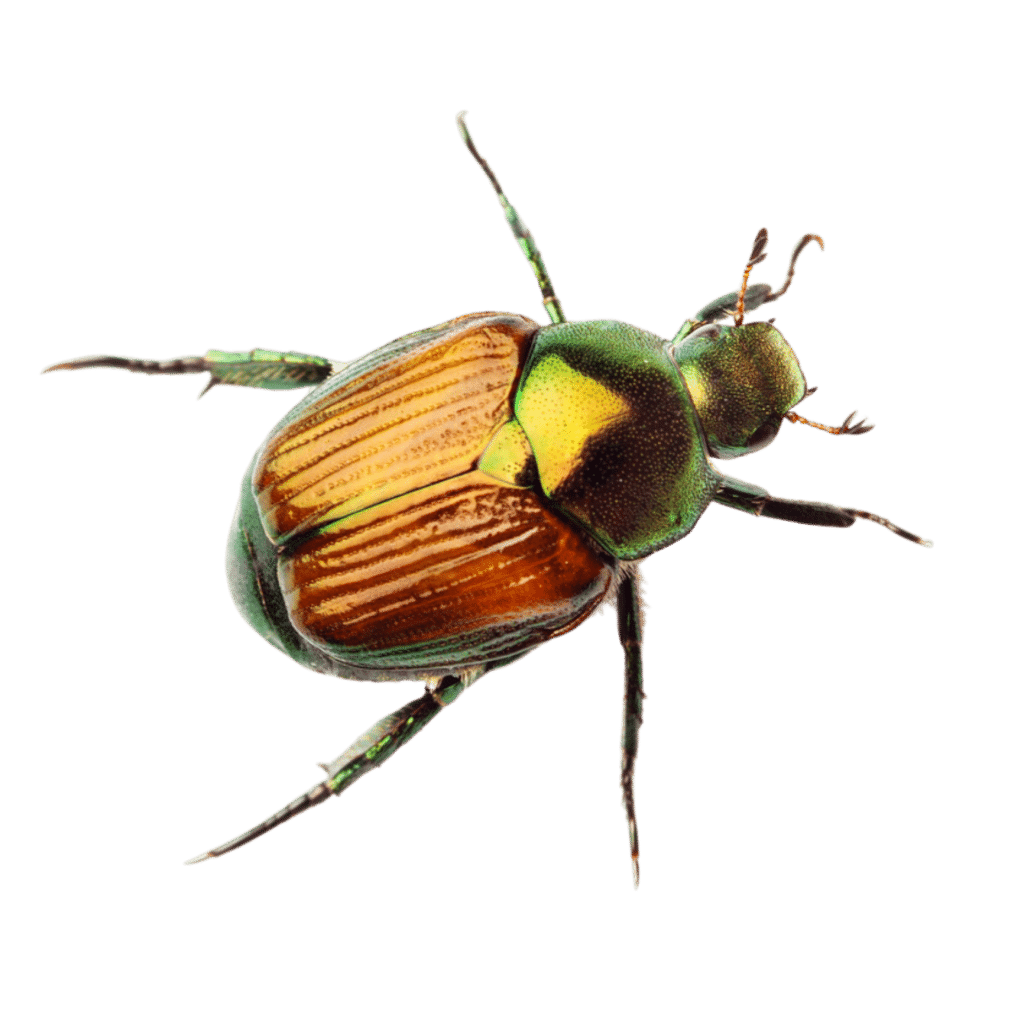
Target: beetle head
x: 742, y: 380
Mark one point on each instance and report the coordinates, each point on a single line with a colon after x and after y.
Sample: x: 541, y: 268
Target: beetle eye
x: 764, y: 434
x: 730, y: 440
x: 710, y: 331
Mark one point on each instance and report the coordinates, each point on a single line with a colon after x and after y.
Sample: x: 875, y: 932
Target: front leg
x: 633, y: 701
x: 758, y: 502
x: 260, y: 368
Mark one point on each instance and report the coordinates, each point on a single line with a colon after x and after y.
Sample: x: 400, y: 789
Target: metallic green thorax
x: 616, y: 437
x: 742, y: 380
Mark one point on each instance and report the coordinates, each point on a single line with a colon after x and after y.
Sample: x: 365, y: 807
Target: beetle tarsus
x: 757, y: 501
x: 318, y: 794
x: 186, y: 364
x: 893, y: 527
x: 201, y: 857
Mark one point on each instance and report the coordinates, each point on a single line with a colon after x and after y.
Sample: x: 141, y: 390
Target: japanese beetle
x: 459, y: 496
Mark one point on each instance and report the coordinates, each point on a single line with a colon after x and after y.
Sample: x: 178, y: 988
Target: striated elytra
x: 443, y: 505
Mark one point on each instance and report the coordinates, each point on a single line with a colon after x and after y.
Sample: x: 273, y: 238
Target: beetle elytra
x: 443, y: 505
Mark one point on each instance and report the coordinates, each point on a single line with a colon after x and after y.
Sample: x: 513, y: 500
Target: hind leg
x: 260, y: 368
x: 370, y: 751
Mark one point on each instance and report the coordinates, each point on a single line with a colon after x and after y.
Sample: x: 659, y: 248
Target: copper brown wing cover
x: 455, y: 574
x: 394, y: 550
x: 420, y: 417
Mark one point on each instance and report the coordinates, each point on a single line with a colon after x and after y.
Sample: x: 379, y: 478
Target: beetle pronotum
x: 439, y: 507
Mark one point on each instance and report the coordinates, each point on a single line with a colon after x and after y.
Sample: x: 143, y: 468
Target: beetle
x: 448, y: 502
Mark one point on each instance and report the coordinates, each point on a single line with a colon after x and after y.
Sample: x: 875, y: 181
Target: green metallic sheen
x: 265, y: 368
x: 742, y: 380
x: 338, y: 782
x: 380, y: 747
x: 252, y: 579
x: 388, y: 734
x: 618, y: 444
x: 509, y: 457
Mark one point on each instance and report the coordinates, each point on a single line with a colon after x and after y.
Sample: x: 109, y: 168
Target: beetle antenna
x: 735, y: 303
x: 757, y: 254
x: 846, y: 428
x: 800, y: 246
x: 519, y: 229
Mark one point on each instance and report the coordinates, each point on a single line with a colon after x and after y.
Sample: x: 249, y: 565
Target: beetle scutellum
x: 439, y: 507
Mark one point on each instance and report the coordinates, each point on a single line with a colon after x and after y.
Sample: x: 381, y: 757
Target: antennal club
x: 757, y: 254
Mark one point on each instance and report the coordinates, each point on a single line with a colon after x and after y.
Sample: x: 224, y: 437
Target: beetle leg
x: 758, y: 502
x: 519, y: 229
x: 260, y: 368
x: 633, y: 701
x: 369, y: 751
